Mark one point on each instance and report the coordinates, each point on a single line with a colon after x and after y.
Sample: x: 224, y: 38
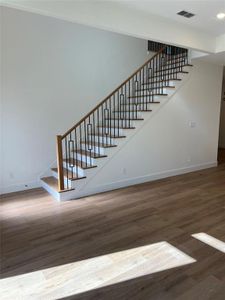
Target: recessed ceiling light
x: 220, y: 16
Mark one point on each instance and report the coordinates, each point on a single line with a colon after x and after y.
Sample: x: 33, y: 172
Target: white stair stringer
x: 79, y: 188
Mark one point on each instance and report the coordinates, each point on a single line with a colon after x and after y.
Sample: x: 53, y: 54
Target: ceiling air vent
x: 185, y: 14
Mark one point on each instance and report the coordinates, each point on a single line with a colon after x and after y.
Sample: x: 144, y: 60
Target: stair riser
x: 159, y: 90
x: 84, y: 158
x: 166, y: 82
x: 119, y: 121
x: 145, y: 100
x: 165, y: 76
x: 174, y: 64
x: 176, y: 57
x: 111, y: 130
x: 77, y: 170
x: 96, y: 149
x: 168, y: 64
x: 122, y: 123
x: 102, y: 139
x: 157, y: 85
x: 174, y: 70
x: 139, y: 107
x: 51, y: 191
x: 168, y: 72
x: 126, y: 114
x: 175, y: 61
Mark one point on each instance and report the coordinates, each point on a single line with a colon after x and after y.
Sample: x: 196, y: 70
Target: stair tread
x: 125, y: 119
x: 166, y: 73
x: 172, y: 68
x: 112, y: 127
x: 176, y: 64
x: 108, y: 135
x: 79, y: 163
x: 101, y: 145
x: 175, y: 57
x: 178, y: 59
x: 128, y: 111
x: 140, y: 96
x: 52, y: 182
x: 90, y: 153
x: 140, y: 103
x: 71, y: 176
x: 160, y: 87
x: 163, y: 80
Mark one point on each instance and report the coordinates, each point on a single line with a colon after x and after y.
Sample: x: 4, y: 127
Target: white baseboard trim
x: 111, y: 186
x: 20, y: 187
x: 141, y: 179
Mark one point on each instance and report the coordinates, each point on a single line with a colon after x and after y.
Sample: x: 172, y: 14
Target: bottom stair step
x: 52, y: 182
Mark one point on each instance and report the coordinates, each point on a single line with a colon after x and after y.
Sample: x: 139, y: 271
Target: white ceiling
x: 216, y: 58
x: 205, y: 10
x: 147, y: 19
x: 204, y: 20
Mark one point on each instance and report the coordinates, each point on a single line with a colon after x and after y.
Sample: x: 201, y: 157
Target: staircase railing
x: 77, y: 148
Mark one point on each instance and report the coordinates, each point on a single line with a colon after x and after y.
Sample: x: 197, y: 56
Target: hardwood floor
x: 40, y: 233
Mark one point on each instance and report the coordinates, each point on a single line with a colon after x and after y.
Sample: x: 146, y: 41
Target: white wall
x: 220, y: 43
x: 1, y: 108
x: 167, y: 145
x: 222, y: 116
x: 54, y: 72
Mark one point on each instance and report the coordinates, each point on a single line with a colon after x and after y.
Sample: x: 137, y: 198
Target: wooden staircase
x: 86, y: 145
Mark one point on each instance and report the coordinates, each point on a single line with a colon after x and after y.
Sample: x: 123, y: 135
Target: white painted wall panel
x: 54, y: 72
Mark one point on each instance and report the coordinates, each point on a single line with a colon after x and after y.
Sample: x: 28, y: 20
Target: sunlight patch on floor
x: 210, y: 240
x: 74, y: 278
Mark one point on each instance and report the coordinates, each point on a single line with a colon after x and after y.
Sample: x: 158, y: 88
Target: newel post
x: 60, y: 163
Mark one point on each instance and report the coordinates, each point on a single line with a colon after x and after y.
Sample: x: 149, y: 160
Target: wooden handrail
x: 60, y: 163
x: 111, y: 94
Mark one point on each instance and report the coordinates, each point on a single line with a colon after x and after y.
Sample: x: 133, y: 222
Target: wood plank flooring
x: 38, y: 233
